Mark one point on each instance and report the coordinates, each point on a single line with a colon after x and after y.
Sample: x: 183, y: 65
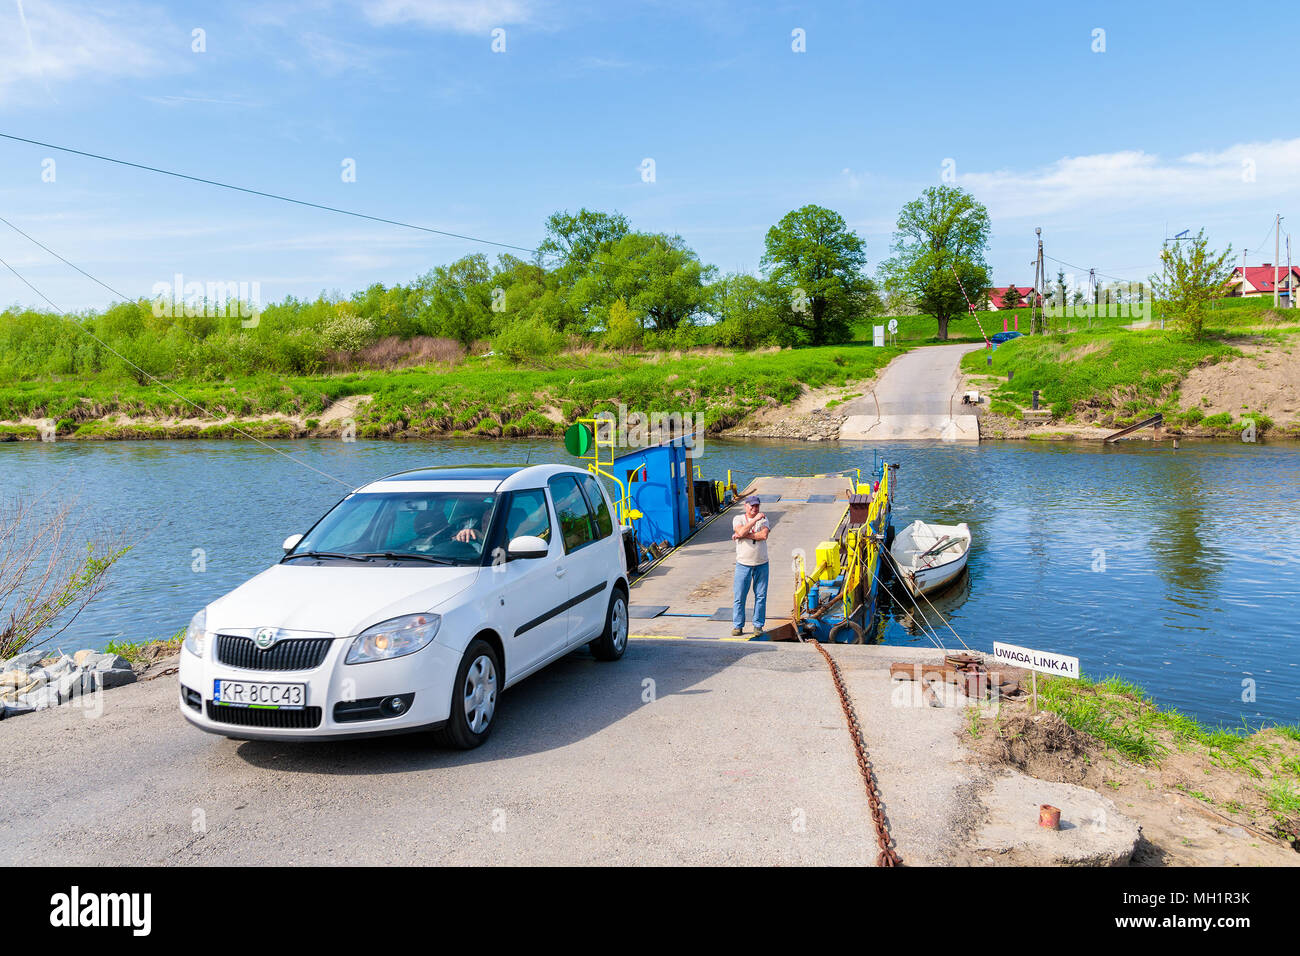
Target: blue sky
x: 1170, y: 125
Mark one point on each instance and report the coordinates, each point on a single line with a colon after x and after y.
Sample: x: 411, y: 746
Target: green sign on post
x: 578, y: 440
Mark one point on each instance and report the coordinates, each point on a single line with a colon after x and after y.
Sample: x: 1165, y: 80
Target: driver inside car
x: 475, y: 529
x: 428, y: 526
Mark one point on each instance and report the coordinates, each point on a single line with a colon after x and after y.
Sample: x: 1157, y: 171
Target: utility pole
x: 1037, y: 320
x: 1164, y: 275
x: 1290, y: 279
x: 1096, y: 294
x: 1277, y: 253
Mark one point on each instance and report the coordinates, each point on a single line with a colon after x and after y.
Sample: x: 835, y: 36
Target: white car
x: 410, y: 606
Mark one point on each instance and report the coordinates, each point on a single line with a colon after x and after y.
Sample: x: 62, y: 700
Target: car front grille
x: 295, y: 654
x: 304, y: 719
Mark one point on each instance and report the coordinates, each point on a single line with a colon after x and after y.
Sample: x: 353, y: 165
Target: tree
x: 1011, y: 299
x: 1191, y: 275
x: 459, y: 297
x: 939, y: 253
x: 814, y: 261
x: 749, y: 313
x: 659, y: 277
x: 579, y: 238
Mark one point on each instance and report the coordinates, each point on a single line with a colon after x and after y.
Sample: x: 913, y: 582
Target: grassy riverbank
x: 485, y: 396
x: 1111, y: 736
x: 1116, y: 376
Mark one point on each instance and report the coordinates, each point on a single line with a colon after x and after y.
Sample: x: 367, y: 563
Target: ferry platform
x: 687, y: 594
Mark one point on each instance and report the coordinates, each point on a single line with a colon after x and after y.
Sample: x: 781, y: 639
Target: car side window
x: 528, y: 515
x: 599, y: 507
x: 571, y: 509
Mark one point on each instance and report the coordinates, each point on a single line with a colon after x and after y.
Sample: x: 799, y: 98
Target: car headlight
x: 196, y: 636
x: 395, y: 638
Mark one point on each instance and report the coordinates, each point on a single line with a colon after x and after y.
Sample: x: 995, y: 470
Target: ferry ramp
x: 915, y: 398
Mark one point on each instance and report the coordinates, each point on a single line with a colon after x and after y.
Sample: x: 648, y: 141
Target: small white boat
x: 930, y: 555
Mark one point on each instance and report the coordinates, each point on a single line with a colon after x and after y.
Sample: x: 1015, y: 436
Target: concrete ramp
x: 892, y: 427
x: 914, y: 399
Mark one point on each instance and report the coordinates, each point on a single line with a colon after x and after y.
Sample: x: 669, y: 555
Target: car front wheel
x: 613, y: 642
x: 474, y: 698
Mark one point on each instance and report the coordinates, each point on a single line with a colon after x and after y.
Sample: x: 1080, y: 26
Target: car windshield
x: 437, y: 527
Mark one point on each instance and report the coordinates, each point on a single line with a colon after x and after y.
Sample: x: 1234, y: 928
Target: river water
x: 1174, y: 568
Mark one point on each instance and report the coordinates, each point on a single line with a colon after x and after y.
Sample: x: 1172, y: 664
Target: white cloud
x: 57, y: 43
x: 336, y: 56
x: 177, y: 100
x: 460, y: 16
x: 1130, y: 178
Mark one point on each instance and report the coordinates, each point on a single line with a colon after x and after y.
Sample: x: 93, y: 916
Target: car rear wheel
x: 473, y: 699
x: 613, y: 642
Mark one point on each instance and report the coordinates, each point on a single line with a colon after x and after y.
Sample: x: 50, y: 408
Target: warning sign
x: 1041, y: 661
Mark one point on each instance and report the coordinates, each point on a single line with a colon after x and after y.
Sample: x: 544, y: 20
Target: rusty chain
x: 888, y: 856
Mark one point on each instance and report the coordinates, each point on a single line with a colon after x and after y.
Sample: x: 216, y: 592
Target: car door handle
x: 559, y: 572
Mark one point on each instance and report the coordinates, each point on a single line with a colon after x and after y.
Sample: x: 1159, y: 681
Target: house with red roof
x: 1259, y: 281
x: 997, y: 296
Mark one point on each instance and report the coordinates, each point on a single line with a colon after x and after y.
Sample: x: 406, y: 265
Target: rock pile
x: 820, y: 425
x: 34, y: 681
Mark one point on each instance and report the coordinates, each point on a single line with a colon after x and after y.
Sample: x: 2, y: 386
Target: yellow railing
x: 878, y: 505
x: 800, y: 588
x: 852, y: 569
x: 623, y: 505
x: 859, y: 549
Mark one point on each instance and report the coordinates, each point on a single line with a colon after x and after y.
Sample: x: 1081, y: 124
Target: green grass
x: 1115, y: 713
x: 1290, y: 732
x: 919, y: 329
x: 1123, y: 716
x: 1284, y: 799
x: 133, y: 651
x: 1118, y: 376
x: 481, y: 396
x: 922, y: 329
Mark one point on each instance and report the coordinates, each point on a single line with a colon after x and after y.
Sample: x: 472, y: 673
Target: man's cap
x: 752, y: 500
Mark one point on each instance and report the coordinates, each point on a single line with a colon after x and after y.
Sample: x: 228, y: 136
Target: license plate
x: 242, y: 693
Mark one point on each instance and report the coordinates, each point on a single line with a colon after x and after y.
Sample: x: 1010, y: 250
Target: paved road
x: 913, y: 398
x: 741, y: 757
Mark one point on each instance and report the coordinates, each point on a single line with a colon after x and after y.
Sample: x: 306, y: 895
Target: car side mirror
x: 527, y: 546
x: 291, y: 542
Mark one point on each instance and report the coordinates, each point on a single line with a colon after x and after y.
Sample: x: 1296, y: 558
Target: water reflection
x: 1178, y: 545
x: 929, y: 613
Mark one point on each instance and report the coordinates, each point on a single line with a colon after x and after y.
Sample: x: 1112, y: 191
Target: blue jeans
x: 747, y: 575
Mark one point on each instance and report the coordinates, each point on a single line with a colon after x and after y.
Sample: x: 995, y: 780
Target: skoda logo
x: 264, y: 638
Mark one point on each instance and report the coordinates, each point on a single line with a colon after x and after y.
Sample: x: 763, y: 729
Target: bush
x: 622, y: 330
x: 669, y: 340
x: 529, y: 342
x: 348, y: 332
